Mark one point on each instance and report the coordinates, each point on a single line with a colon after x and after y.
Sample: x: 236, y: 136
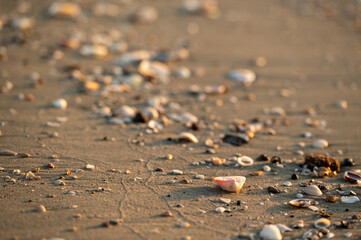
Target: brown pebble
x: 68, y: 173
x: 185, y: 181
x: 256, y: 173
x: 25, y: 155
x: 330, y: 198
x: 106, y: 224
x: 167, y: 214
x: 74, y: 229
x: 54, y: 156
x: 30, y: 97
x: 50, y: 165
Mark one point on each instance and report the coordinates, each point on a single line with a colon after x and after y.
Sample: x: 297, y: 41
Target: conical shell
x: 322, y: 223
x: 313, y: 190
x: 231, y: 184
x: 270, y: 232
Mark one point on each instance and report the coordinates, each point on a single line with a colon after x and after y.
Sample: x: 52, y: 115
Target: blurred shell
x: 150, y: 113
x: 146, y: 14
x: 95, y: 50
x: 188, y: 117
x: 64, y: 9
x: 322, y: 223
x: 245, y: 161
x: 230, y: 184
x: 186, y: 137
x: 270, y: 232
x: 283, y: 228
x: 208, y: 8
x: 131, y: 57
x: 155, y: 70
x: 352, y: 199
x: 60, y: 103
x: 303, y: 202
x: 320, y: 143
x: 157, y: 101
x: 331, y: 199
x: 311, y: 234
x: 245, y: 76
x: 297, y: 224
x: 126, y: 111
x: 8, y: 153
x: 22, y: 23
x: 352, y: 176
x: 313, y: 190
x: 134, y: 80
x: 215, y: 89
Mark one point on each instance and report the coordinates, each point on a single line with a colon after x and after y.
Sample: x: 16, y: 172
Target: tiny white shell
x: 270, y: 232
x: 177, y: 172
x: 95, y: 50
x: 89, y: 167
x: 313, y: 190
x: 320, y: 143
x: 244, y: 76
x: 60, y: 103
x: 245, y: 161
x: 266, y: 168
x: 186, y: 137
x: 220, y: 209
x: 352, y: 199
x: 322, y: 223
x: 199, y: 176
x: 283, y: 228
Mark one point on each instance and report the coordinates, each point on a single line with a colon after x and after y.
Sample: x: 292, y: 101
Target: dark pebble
x: 348, y: 162
x: 276, y: 159
x: 273, y: 189
x: 263, y: 157
x: 295, y: 177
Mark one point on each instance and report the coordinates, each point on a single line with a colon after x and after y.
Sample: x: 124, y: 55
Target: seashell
x: 270, y: 232
x: 60, y: 103
x: 215, y: 89
x: 220, y: 209
x: 342, y: 104
x: 188, y: 117
x: 177, y: 172
x: 352, y: 199
x: 146, y: 14
x: 331, y: 199
x: 230, y: 184
x: 312, y: 234
x: 134, y: 80
x: 208, y: 8
x: 303, y: 202
x: 167, y: 214
x: 283, y: 228
x: 199, y: 176
x: 102, y: 9
x: 22, y: 23
x: 297, y: 224
x: 236, y: 140
x: 32, y: 176
x: 352, y: 177
x: 322, y: 223
x: 245, y: 161
x: 245, y: 76
x: 64, y: 9
x: 313, y: 190
x: 146, y: 114
x: 41, y: 209
x: 89, y: 167
x: 182, y: 72
x: 320, y: 143
x: 8, y: 153
x: 95, y: 50
x: 267, y: 168
x: 131, y: 57
x: 225, y: 200
x: 154, y: 70
x: 126, y: 112
x: 157, y: 101
x: 186, y: 137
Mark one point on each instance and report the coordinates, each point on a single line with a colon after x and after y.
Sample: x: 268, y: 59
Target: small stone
x: 177, y: 172
x: 348, y: 235
x: 287, y: 184
x: 60, y: 103
x: 225, y: 200
x: 266, y: 168
x: 220, y: 209
x: 41, y: 209
x: 169, y: 157
x: 320, y: 143
x: 167, y: 214
x: 89, y: 167
x: 50, y: 165
x: 295, y: 177
x: 299, y: 195
x: 273, y: 189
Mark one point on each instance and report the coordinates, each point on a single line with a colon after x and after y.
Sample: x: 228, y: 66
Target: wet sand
x: 313, y: 53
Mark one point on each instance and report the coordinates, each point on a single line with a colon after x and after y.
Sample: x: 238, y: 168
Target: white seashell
x: 220, y: 209
x: 313, y: 190
x: 177, y: 172
x: 95, y: 50
x: 277, y: 111
x: 150, y: 113
x: 270, y: 232
x: 283, y: 228
x: 89, y: 167
x: 330, y: 235
x: 60, y: 103
x: 267, y: 168
x: 287, y: 184
x: 299, y: 195
x: 186, y: 137
x: 156, y: 70
x: 230, y: 184
x: 126, y: 112
x: 134, y: 80
x: 245, y: 76
x: 352, y: 199
x: 311, y: 234
x: 245, y: 161
x: 158, y: 101
x: 199, y: 177
x: 22, y: 23
x: 297, y: 224
x: 320, y: 143
x: 313, y: 208
x: 188, y: 117
x: 183, y: 72
x: 225, y: 200
x: 322, y: 223
x: 64, y: 9
x: 131, y: 57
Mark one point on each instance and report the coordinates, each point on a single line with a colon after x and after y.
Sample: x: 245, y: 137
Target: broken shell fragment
x: 283, y: 228
x: 186, y: 137
x: 96, y: 50
x: 244, y: 76
x: 236, y: 140
x: 245, y: 161
x: 60, y: 103
x: 270, y: 232
x: 320, y: 143
x: 230, y: 184
x: 331, y: 199
x: 322, y: 223
x: 8, y: 153
x: 154, y: 70
x: 352, y: 199
x: 303, y: 202
x: 352, y: 177
x: 313, y: 190
x: 64, y: 9
x: 41, y: 209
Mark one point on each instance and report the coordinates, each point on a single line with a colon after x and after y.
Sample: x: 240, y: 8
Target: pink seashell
x: 231, y: 184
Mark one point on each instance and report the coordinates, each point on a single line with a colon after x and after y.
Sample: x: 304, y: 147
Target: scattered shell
x: 320, y: 143
x: 352, y: 177
x: 297, y: 224
x: 287, y: 184
x: 208, y: 8
x: 267, y: 168
x: 270, y: 232
x: 89, y: 167
x: 167, y: 214
x: 283, y: 228
x: 186, y: 137
x: 342, y: 104
x: 199, y: 177
x: 32, y: 176
x: 236, y: 140
x: 322, y: 223
x: 225, y: 200
x: 154, y: 70
x: 95, y: 50
x: 331, y: 199
x: 220, y: 209
x: 60, y: 103
x: 312, y: 234
x: 313, y: 208
x: 245, y: 76
x: 64, y: 9
x: 41, y: 209
x: 177, y: 172
x: 273, y: 189
x: 303, y: 202
x: 313, y: 190
x: 230, y: 184
x: 352, y: 199
x: 8, y: 153
x: 299, y: 195
x: 245, y: 161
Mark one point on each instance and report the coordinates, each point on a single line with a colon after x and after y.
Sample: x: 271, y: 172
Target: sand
x: 312, y: 50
